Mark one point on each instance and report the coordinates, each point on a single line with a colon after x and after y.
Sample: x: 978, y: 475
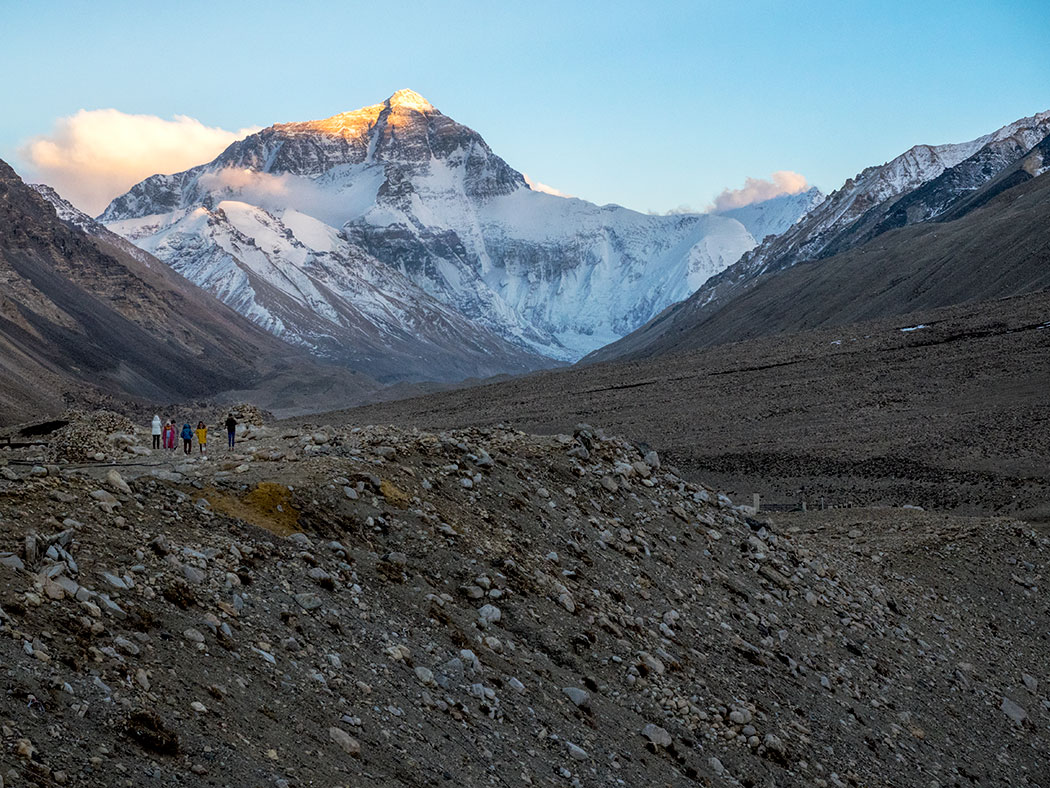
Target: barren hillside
x: 340, y: 606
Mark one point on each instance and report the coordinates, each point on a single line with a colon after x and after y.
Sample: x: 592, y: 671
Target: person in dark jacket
x: 231, y: 430
x: 187, y: 438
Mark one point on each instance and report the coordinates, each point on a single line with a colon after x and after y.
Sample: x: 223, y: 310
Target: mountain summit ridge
x: 863, y: 206
x: 409, y: 99
x: 350, y: 122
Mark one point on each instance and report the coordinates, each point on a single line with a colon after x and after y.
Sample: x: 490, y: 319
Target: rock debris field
x: 334, y: 605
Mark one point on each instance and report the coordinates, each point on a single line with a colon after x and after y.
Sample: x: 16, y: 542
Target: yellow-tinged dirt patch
x: 394, y: 494
x: 268, y: 505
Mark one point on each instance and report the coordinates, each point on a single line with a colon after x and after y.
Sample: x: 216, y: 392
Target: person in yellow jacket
x: 202, y: 437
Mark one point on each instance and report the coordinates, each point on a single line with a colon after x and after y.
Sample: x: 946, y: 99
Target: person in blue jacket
x: 187, y: 438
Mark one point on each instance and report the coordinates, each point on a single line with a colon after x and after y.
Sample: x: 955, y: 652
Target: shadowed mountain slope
x: 76, y: 310
x: 952, y: 415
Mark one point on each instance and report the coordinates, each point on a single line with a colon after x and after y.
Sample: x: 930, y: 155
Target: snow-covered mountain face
x: 301, y: 280
x: 337, y: 302
x: 368, y: 202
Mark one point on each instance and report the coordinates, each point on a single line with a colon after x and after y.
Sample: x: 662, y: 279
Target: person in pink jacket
x: 169, y: 435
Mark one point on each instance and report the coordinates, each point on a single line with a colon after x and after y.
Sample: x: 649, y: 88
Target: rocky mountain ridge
x: 862, y: 208
x: 950, y: 169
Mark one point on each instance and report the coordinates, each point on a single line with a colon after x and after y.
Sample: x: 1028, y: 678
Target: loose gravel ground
x: 332, y: 604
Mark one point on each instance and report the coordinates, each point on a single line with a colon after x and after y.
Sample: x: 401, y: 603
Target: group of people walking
x: 165, y: 435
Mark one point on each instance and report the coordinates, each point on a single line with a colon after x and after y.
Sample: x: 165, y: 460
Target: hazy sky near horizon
x: 652, y: 105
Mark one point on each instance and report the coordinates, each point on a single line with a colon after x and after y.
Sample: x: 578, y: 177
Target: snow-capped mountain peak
x: 403, y: 185
x: 777, y: 214
x: 409, y: 100
x: 361, y: 121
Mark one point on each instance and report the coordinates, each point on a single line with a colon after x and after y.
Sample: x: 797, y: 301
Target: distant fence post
x: 757, y: 503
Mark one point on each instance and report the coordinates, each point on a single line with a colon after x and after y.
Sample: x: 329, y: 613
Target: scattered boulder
x: 1017, y: 713
x: 657, y: 735
x: 150, y: 731
x: 347, y: 743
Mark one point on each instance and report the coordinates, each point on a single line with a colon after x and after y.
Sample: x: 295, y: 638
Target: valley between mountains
x: 489, y: 516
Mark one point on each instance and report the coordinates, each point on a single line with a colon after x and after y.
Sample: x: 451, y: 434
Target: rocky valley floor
x: 338, y: 605
x: 944, y: 409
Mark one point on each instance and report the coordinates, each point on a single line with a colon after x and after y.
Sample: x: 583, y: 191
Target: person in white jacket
x: 156, y: 432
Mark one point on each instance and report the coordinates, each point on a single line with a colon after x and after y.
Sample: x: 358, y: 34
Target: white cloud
x: 759, y: 189
x: 96, y: 155
x: 536, y: 186
x: 275, y: 193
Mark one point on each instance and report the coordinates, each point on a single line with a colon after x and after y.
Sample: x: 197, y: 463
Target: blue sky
x: 651, y: 105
